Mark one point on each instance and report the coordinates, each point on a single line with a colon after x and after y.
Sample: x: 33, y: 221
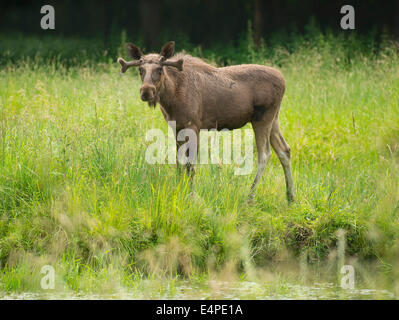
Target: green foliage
x: 76, y: 192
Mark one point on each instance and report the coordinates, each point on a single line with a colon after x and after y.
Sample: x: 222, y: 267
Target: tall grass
x: 76, y: 192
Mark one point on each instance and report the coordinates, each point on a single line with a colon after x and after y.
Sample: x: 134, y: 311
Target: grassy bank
x: 77, y: 194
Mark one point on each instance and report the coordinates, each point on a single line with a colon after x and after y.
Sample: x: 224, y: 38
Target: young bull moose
x: 199, y: 96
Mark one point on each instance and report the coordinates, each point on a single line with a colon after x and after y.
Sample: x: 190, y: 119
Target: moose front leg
x: 187, y: 144
x: 178, y: 161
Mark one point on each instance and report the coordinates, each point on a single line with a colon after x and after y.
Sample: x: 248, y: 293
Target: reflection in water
x: 223, y: 290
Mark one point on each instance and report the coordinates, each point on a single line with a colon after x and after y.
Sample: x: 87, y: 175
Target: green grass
x: 76, y: 192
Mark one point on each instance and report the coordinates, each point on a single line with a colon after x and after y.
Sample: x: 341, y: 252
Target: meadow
x: 76, y: 192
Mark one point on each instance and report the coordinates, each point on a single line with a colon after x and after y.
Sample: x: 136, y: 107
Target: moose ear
x: 134, y: 51
x: 168, y: 50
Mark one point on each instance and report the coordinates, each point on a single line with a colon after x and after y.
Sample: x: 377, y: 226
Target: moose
x: 197, y: 95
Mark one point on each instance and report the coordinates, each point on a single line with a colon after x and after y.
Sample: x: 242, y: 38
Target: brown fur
x: 202, y: 96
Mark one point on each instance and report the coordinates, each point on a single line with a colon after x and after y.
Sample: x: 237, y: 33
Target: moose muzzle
x: 147, y: 92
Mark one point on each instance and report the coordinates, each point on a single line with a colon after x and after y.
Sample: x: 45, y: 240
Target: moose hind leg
x: 262, y: 137
x: 283, y: 152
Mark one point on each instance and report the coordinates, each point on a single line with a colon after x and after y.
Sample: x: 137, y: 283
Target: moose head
x: 151, y: 69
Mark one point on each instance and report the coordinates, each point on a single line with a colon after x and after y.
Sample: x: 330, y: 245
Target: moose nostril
x: 147, y: 92
x: 146, y: 95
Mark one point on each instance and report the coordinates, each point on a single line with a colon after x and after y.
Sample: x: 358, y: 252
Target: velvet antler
x: 127, y: 64
x: 177, y: 64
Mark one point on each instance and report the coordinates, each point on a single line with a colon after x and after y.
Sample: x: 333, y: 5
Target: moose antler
x: 177, y: 64
x: 127, y: 64
x: 134, y: 63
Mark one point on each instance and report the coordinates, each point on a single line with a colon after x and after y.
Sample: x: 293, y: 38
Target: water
x: 219, y: 290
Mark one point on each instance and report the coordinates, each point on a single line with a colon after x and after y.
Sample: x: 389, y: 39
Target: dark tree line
x: 201, y: 21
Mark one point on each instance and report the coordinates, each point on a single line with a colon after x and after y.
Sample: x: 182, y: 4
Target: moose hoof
x: 251, y: 198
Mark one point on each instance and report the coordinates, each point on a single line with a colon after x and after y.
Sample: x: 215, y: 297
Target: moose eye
x: 160, y: 71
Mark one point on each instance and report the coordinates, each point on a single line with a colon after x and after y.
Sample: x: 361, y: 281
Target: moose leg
x: 262, y: 129
x: 192, y: 152
x: 187, y: 143
x: 283, y: 152
x: 178, y: 164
